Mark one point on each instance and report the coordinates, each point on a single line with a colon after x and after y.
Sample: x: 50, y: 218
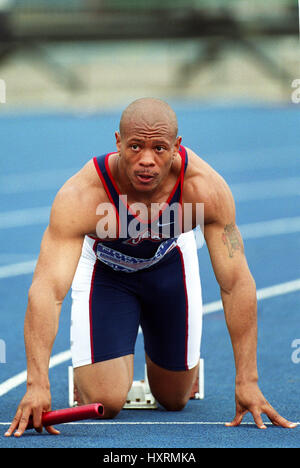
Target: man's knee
x: 175, y: 403
x: 113, y: 404
x: 172, y: 389
x: 106, y: 382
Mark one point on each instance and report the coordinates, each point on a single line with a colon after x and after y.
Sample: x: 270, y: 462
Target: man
x: 107, y: 238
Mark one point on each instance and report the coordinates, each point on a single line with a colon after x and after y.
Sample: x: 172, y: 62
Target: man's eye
x: 159, y: 148
x: 135, y: 146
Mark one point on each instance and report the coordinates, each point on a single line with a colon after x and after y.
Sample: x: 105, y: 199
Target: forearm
x: 40, y: 329
x: 240, y: 307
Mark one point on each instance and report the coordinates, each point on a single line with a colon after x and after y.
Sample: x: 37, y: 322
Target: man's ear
x: 177, y: 144
x: 118, y: 141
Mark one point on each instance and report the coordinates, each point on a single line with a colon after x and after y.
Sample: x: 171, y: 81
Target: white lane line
x: 266, y: 189
x: 279, y: 289
x: 262, y: 229
x: 39, y: 216
x: 34, y: 181
x: 152, y: 423
x: 274, y: 227
x: 8, y: 258
x: 17, y: 269
x: 28, y: 217
x: 264, y: 293
x: 20, y: 378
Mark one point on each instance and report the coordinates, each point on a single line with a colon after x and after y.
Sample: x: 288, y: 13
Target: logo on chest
x: 136, y: 238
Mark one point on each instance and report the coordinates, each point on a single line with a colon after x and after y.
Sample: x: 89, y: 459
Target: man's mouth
x: 145, y: 178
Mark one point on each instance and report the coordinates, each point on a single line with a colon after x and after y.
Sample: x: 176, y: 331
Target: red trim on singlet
x: 183, y: 156
x: 186, y: 308
x: 182, y: 153
x: 182, y: 172
x: 93, y: 237
x: 108, y: 193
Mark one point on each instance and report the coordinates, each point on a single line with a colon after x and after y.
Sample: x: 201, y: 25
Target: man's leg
x: 172, y: 389
x: 106, y: 382
x: 104, y: 327
x: 171, y: 320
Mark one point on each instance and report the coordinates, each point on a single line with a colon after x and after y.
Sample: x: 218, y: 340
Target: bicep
x: 226, y: 250
x: 59, y: 253
x: 223, y: 238
x: 57, y: 262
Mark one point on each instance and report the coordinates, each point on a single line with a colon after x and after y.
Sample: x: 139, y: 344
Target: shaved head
x: 149, y: 113
x: 147, y: 145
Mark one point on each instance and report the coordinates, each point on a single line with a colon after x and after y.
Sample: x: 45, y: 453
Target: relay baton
x: 49, y: 418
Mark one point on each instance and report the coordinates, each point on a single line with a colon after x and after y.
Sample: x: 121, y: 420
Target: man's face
x: 146, y: 155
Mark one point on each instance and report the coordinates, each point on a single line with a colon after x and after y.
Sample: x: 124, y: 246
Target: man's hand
x: 249, y: 398
x: 35, y: 402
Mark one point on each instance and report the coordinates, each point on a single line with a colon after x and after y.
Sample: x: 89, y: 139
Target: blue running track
x: 256, y: 149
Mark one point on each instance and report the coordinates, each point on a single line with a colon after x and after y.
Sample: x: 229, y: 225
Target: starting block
x: 140, y: 396
x: 198, y: 388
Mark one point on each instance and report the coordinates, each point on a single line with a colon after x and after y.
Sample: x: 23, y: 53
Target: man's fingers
x: 20, y: 422
x: 14, y: 424
x: 52, y: 430
x: 237, y: 420
x: 38, y: 425
x: 23, y: 422
x: 278, y: 420
x: 258, y: 420
x: 37, y: 420
x: 274, y: 417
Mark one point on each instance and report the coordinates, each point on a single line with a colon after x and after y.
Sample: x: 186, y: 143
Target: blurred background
x: 97, y: 55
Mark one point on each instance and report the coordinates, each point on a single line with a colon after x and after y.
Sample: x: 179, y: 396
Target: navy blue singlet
x: 162, y: 293
x: 151, y: 244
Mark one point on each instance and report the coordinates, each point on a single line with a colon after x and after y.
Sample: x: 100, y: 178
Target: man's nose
x: 146, y: 159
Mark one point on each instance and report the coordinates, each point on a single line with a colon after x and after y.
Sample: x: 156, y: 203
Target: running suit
x: 150, y: 280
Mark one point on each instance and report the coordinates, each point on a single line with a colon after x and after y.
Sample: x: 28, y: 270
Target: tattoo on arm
x: 232, y: 239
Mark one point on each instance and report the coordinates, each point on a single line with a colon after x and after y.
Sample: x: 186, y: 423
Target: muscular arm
x: 73, y: 215
x: 237, y: 285
x: 59, y: 255
x: 230, y: 266
x: 238, y: 294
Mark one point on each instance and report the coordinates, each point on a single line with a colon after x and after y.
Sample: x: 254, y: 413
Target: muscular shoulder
x: 203, y: 184
x: 74, y: 208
